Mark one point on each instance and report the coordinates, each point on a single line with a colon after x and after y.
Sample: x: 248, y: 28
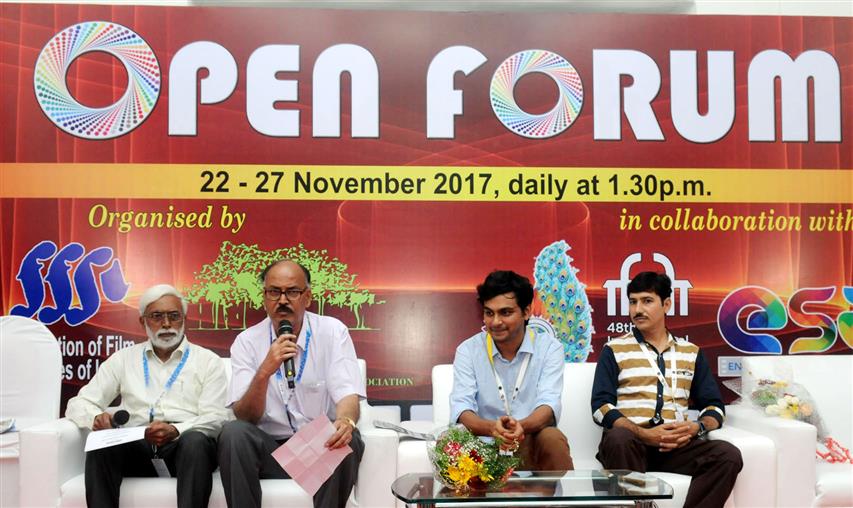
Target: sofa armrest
x: 756, y: 483
x: 51, y: 454
x: 795, y: 443
x: 370, y: 413
x: 373, y: 490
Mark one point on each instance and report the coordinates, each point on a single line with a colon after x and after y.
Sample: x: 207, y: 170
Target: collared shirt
x: 196, y: 400
x: 475, y: 388
x: 627, y: 385
x: 330, y: 374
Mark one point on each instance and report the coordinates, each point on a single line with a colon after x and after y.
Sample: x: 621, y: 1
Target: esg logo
x: 767, y: 313
x: 59, y: 280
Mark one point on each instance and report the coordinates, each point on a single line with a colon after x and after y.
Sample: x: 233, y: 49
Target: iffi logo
x: 681, y: 286
x: 143, y: 80
x: 64, y: 284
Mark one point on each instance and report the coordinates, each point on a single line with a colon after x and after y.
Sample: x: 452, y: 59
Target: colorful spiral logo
x: 143, y: 80
x: 555, y: 67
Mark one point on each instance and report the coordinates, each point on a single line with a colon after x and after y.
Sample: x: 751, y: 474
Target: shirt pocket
x: 313, y: 398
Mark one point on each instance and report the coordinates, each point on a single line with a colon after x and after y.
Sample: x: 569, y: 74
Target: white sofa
x: 755, y: 486
x: 29, y: 395
x: 52, y: 461
x: 803, y: 480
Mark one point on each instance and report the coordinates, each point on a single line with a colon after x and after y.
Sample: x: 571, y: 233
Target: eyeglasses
x: 159, y: 317
x: 291, y: 294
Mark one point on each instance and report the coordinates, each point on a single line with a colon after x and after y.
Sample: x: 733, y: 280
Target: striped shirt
x: 627, y: 382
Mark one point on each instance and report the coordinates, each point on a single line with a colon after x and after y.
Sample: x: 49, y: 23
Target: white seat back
x: 576, y: 416
x: 442, y: 385
x: 30, y: 372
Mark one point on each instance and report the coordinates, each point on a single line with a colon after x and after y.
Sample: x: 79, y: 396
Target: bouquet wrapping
x: 776, y: 394
x: 462, y: 462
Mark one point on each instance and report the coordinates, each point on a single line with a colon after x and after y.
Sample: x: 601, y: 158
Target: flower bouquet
x: 780, y: 398
x: 463, y: 462
x: 777, y: 396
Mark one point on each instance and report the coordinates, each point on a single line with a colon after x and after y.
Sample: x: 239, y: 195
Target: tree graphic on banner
x: 231, y: 281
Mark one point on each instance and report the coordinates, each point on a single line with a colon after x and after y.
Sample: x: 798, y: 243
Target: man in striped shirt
x: 643, y: 382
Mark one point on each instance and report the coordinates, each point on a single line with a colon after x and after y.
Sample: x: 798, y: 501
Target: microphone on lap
x: 285, y: 327
x: 120, y: 418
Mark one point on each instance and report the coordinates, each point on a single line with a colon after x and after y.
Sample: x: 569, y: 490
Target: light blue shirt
x: 475, y: 389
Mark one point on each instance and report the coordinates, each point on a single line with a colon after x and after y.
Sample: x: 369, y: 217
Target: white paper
x: 112, y: 437
x: 379, y: 424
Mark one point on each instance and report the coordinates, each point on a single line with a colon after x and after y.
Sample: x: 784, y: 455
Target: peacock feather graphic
x: 564, y: 302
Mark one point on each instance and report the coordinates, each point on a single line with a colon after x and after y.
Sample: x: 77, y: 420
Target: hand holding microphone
x: 281, y: 353
x: 119, y: 418
x: 108, y: 421
x: 286, y: 328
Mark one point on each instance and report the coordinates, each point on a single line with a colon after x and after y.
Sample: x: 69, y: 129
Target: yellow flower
x: 485, y: 476
x: 457, y: 475
x: 468, y: 464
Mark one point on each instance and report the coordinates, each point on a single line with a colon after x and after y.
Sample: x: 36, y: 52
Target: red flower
x: 452, y: 448
x: 476, y: 456
x: 477, y: 484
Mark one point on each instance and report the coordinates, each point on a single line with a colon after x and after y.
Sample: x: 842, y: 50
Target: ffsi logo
x: 65, y: 283
x: 620, y: 285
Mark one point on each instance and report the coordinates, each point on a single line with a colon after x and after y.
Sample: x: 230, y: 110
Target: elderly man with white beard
x: 173, y: 387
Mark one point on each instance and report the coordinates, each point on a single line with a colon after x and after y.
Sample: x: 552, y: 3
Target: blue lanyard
x: 169, y: 383
x: 278, y: 374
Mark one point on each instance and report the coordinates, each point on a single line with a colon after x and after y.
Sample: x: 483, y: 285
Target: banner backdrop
x: 403, y: 156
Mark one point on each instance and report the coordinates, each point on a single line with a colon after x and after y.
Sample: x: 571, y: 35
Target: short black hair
x: 654, y: 282
x: 263, y: 275
x: 501, y: 282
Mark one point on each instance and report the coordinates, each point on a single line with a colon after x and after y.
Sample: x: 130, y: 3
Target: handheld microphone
x: 120, y: 418
x: 285, y: 327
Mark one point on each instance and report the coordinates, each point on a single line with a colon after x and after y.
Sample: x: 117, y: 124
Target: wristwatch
x: 351, y: 422
x: 702, y: 431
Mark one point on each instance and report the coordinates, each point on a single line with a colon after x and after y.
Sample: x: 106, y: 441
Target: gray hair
x: 154, y: 293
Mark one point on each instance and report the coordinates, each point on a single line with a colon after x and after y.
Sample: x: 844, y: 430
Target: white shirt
x: 196, y: 400
x: 330, y: 374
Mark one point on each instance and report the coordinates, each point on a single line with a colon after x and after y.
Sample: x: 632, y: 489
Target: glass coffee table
x: 541, y: 488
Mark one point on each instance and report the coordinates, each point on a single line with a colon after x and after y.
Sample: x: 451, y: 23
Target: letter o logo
x: 547, y: 124
x: 143, y: 80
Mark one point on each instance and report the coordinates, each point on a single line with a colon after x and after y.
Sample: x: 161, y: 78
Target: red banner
x: 403, y: 156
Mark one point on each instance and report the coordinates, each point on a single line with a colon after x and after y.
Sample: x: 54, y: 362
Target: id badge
x: 160, y: 466
x: 679, y: 417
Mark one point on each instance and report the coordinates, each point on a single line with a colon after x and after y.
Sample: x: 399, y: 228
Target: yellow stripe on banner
x: 419, y: 183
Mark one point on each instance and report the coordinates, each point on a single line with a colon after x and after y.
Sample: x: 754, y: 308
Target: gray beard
x: 162, y: 343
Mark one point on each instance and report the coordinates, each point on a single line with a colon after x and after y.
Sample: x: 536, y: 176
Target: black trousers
x: 714, y: 465
x: 191, y: 458
x: 245, y: 458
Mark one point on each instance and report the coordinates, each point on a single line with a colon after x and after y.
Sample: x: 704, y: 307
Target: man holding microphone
x: 175, y: 388
x: 287, y: 370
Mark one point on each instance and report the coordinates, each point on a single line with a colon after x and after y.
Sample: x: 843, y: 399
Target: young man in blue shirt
x: 508, y: 378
